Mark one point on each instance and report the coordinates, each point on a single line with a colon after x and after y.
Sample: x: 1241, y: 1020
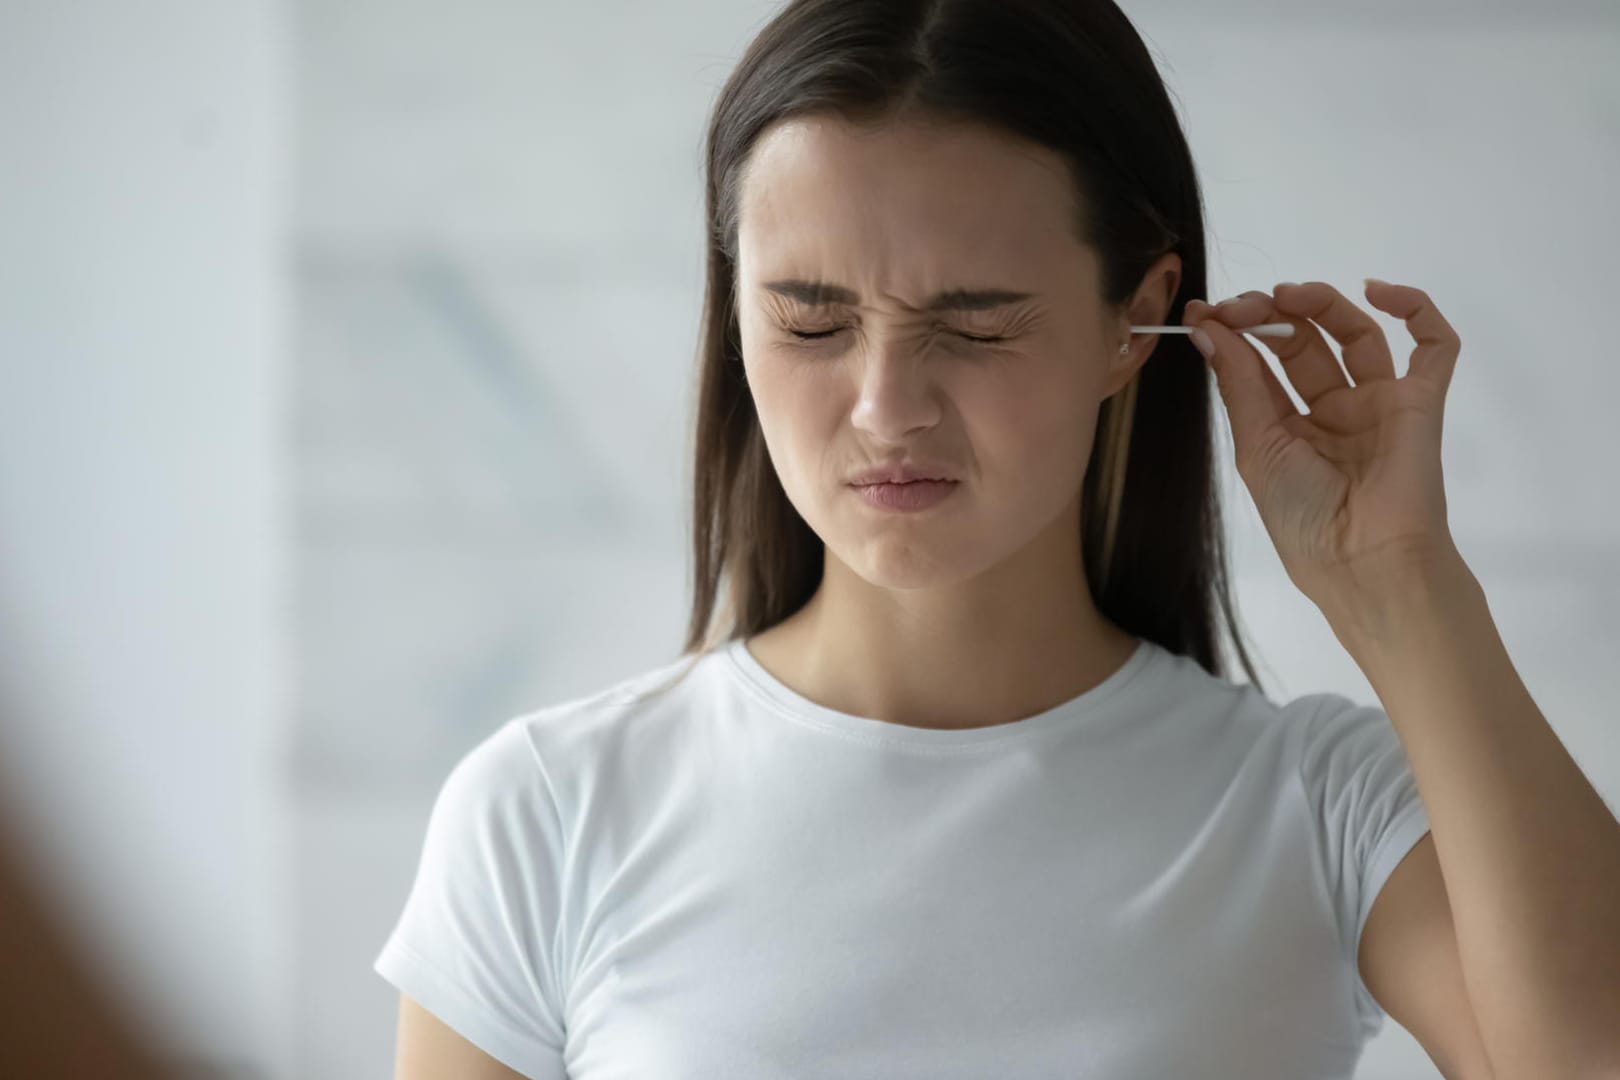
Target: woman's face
x: 890, y: 220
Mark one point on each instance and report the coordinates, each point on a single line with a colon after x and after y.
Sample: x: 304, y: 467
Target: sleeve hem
x: 1398, y: 842
x: 420, y: 981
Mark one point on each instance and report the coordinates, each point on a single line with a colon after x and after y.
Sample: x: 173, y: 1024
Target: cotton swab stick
x: 1273, y: 329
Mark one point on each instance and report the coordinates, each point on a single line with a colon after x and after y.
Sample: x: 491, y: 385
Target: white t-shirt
x: 1165, y: 876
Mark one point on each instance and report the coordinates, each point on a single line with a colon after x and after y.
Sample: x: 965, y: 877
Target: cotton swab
x: 1274, y: 329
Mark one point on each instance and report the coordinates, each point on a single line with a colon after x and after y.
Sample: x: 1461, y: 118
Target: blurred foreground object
x: 58, y: 1021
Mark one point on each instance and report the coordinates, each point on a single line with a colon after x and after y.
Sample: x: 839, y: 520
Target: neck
x: 1007, y: 644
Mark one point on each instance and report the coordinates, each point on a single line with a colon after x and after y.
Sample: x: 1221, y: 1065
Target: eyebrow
x: 826, y: 294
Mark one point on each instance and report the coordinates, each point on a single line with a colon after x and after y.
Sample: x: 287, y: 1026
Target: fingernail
x: 1204, y: 343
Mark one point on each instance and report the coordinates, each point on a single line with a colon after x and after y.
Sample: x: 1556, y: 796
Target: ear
x: 1149, y: 307
x: 1125, y: 366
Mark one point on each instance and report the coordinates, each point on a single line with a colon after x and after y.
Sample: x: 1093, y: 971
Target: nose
x: 898, y: 393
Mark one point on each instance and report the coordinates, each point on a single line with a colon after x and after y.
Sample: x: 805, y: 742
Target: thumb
x: 1254, y: 399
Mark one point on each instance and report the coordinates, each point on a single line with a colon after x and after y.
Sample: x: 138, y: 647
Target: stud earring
x: 1125, y: 348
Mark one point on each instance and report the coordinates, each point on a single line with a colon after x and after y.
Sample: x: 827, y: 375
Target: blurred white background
x: 346, y: 351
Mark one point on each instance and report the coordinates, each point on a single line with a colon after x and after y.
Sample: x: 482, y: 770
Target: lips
x: 903, y: 474
x: 917, y: 495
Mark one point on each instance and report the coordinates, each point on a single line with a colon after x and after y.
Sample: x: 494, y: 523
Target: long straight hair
x: 1075, y: 77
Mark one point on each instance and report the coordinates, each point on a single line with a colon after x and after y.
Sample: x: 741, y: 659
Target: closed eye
x: 829, y: 333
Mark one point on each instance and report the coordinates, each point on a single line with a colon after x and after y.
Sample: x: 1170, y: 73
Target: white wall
x: 142, y: 549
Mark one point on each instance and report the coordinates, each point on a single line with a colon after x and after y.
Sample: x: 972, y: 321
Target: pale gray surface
x: 143, y: 358
x: 458, y: 472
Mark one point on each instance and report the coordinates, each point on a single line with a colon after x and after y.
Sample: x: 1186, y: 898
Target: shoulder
x: 549, y: 741
x: 610, y: 702
x: 518, y: 785
x: 1323, y: 739
x: 1226, y: 708
x: 1335, y: 732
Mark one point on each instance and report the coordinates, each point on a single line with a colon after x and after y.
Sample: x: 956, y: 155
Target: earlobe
x: 1125, y: 369
x: 1120, y: 379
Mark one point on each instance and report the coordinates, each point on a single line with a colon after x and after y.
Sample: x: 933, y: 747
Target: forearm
x: 1528, y: 849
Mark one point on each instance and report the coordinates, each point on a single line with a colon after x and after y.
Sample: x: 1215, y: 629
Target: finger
x: 1255, y: 400
x: 1276, y: 394
x: 1438, y: 345
x: 1361, y: 339
x: 1306, y: 358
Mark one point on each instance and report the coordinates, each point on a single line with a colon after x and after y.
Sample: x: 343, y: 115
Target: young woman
x: 950, y: 782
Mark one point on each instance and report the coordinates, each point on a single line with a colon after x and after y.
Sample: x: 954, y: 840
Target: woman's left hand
x: 1351, y: 494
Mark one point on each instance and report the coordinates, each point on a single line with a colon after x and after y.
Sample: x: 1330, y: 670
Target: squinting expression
x: 918, y: 293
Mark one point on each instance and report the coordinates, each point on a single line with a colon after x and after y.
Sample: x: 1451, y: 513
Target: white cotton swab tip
x: 1276, y: 329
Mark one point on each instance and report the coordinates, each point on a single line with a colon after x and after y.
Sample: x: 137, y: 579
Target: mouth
x: 903, y: 483
x: 905, y: 495
x: 900, y: 476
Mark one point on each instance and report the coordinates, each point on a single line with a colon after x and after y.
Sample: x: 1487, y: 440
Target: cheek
x: 1033, y: 440
x: 798, y: 426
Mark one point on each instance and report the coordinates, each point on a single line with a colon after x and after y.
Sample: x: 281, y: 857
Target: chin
x: 893, y: 563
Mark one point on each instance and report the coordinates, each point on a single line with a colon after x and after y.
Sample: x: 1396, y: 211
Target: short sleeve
x: 474, y: 945
x: 1367, y: 814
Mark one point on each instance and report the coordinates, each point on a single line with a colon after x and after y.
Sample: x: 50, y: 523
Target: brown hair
x: 1071, y: 75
